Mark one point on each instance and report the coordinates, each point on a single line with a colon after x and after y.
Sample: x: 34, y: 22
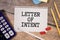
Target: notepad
x: 30, y: 19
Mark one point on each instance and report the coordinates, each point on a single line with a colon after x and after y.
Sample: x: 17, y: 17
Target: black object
x: 6, y: 30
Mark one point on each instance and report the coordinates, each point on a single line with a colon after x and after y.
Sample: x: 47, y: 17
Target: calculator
x: 2, y: 36
x: 6, y: 30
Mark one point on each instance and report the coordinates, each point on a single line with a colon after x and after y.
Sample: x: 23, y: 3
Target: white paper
x: 34, y: 19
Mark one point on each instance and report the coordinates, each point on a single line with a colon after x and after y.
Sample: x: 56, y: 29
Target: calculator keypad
x: 5, y: 27
x: 2, y: 36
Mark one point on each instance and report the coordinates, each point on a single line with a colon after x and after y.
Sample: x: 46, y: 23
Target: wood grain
x: 9, y: 5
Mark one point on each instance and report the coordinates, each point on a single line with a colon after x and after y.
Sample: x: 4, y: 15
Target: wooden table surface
x: 9, y: 5
x: 50, y: 35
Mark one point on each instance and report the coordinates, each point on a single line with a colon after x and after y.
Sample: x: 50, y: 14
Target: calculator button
x: 0, y: 26
x: 4, y: 23
x: 6, y: 26
x: 1, y: 18
x: 2, y: 29
x: 7, y: 35
x: 8, y: 29
x: 11, y: 33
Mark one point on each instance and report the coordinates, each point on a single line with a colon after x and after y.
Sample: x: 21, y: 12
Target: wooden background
x: 9, y: 6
